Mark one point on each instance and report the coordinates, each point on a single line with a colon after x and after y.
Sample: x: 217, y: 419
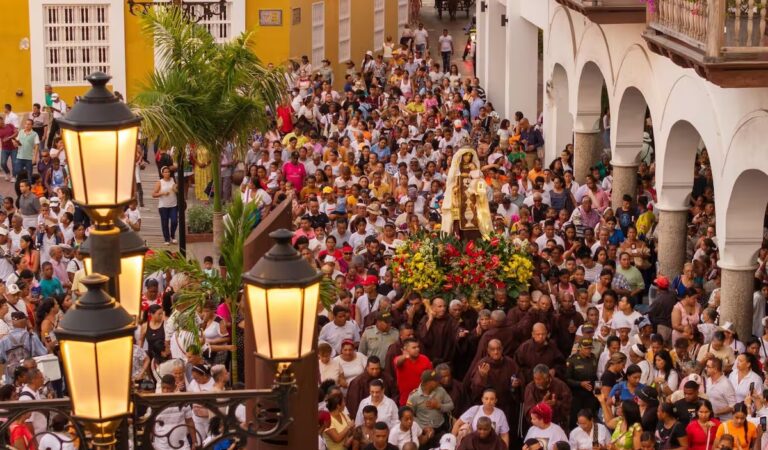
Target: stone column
x: 624, y: 182
x: 671, y: 232
x: 587, y: 147
x: 736, y: 289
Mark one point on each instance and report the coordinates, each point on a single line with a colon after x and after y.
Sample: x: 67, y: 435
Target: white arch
x: 634, y: 91
x: 677, y: 142
x: 744, y: 188
x: 560, y: 130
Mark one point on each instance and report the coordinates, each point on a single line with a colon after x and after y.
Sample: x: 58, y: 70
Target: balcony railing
x: 609, y: 11
x: 723, y: 40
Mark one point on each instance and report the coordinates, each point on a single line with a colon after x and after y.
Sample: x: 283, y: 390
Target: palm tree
x: 214, y: 94
x: 241, y: 218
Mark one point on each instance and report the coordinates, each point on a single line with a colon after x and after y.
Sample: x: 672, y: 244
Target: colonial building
x: 697, y: 70
x: 58, y: 42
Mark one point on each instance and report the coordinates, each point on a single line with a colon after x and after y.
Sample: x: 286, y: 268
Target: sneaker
x: 13, y: 179
x: 167, y: 243
x: 7, y: 178
x: 174, y: 241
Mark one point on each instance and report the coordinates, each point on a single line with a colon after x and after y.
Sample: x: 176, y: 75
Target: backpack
x: 18, y: 352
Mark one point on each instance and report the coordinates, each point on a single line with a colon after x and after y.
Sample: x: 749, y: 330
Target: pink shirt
x: 295, y: 173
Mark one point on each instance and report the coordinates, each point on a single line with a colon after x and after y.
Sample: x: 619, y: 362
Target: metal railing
x: 718, y: 28
x: 268, y: 416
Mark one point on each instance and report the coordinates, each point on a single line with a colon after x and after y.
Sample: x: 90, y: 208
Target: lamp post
x: 96, y: 340
x: 128, y: 285
x: 96, y: 336
x: 282, y: 292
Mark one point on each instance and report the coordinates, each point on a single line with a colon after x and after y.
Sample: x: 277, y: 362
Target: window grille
x: 318, y: 33
x: 379, y: 15
x: 345, y: 30
x: 76, y: 42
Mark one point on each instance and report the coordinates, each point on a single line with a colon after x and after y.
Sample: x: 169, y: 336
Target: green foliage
x: 203, y: 91
x: 200, y: 219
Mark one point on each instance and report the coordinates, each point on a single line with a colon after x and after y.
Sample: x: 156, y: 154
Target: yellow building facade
x: 58, y: 42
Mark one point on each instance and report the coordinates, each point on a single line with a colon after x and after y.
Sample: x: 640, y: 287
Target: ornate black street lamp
x: 128, y: 284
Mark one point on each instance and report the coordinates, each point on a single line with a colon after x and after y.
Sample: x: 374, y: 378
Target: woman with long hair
x: 165, y: 192
x: 701, y: 431
x: 30, y: 256
x: 744, y: 378
x: 664, y: 375
x: 670, y: 433
x: 153, y: 333
x: 744, y: 432
x: 47, y: 319
x: 625, y: 424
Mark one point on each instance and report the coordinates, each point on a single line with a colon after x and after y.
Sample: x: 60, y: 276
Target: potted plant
x: 200, y: 223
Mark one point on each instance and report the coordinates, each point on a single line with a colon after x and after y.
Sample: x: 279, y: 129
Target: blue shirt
x: 49, y: 288
x: 382, y: 152
x: 624, y: 393
x: 17, y: 336
x: 474, y: 107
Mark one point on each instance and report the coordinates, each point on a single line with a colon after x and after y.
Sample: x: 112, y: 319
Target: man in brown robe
x: 550, y: 390
x: 567, y: 321
x: 516, y: 314
x: 359, y: 389
x: 510, y: 335
x: 539, y: 350
x: 496, y: 371
x: 438, y: 333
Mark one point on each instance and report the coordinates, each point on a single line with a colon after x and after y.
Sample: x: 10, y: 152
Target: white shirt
x: 171, y: 420
x: 20, y: 306
x: 399, y: 438
x: 352, y: 369
x: 541, y: 241
x: 387, y: 412
x: 420, y: 36
x: 581, y: 440
x: 498, y: 419
x: 548, y: 437
x: 15, y: 238
x: 13, y: 119
x: 446, y: 43
x: 742, y: 387
x: 334, y: 335
x: 721, y: 394
x: 38, y: 420
x: 62, y: 442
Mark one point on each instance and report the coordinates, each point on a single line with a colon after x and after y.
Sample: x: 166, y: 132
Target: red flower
x: 470, y: 247
x: 447, y: 287
x: 494, y: 242
x: 451, y: 251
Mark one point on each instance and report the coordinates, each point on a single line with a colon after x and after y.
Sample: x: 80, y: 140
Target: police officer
x: 581, y: 373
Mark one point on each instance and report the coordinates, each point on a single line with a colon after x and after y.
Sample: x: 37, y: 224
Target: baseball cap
x: 370, y: 280
x: 586, y: 342
x: 643, y: 322
x: 429, y: 375
x: 447, y: 442
x: 12, y: 289
x: 457, y: 123
x: 18, y: 315
x: 661, y: 282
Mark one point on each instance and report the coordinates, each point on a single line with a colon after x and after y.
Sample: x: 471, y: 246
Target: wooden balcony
x: 609, y: 11
x: 724, y: 41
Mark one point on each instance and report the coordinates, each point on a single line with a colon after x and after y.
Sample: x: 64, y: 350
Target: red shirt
x: 146, y: 302
x: 409, y: 375
x: 697, y: 437
x: 285, y: 113
x: 6, y: 131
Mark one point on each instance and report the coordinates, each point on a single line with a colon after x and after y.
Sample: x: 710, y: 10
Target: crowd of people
x: 601, y: 352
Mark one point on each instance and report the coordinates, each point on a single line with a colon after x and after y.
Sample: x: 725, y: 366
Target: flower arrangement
x: 436, y: 265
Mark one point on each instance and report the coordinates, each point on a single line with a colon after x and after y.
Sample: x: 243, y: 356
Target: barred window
x: 76, y: 42
x: 378, y: 24
x: 345, y: 30
x: 318, y: 33
x: 220, y: 26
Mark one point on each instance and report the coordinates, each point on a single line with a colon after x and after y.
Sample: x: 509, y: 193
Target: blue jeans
x: 169, y: 220
x: 4, y: 161
x: 23, y: 165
